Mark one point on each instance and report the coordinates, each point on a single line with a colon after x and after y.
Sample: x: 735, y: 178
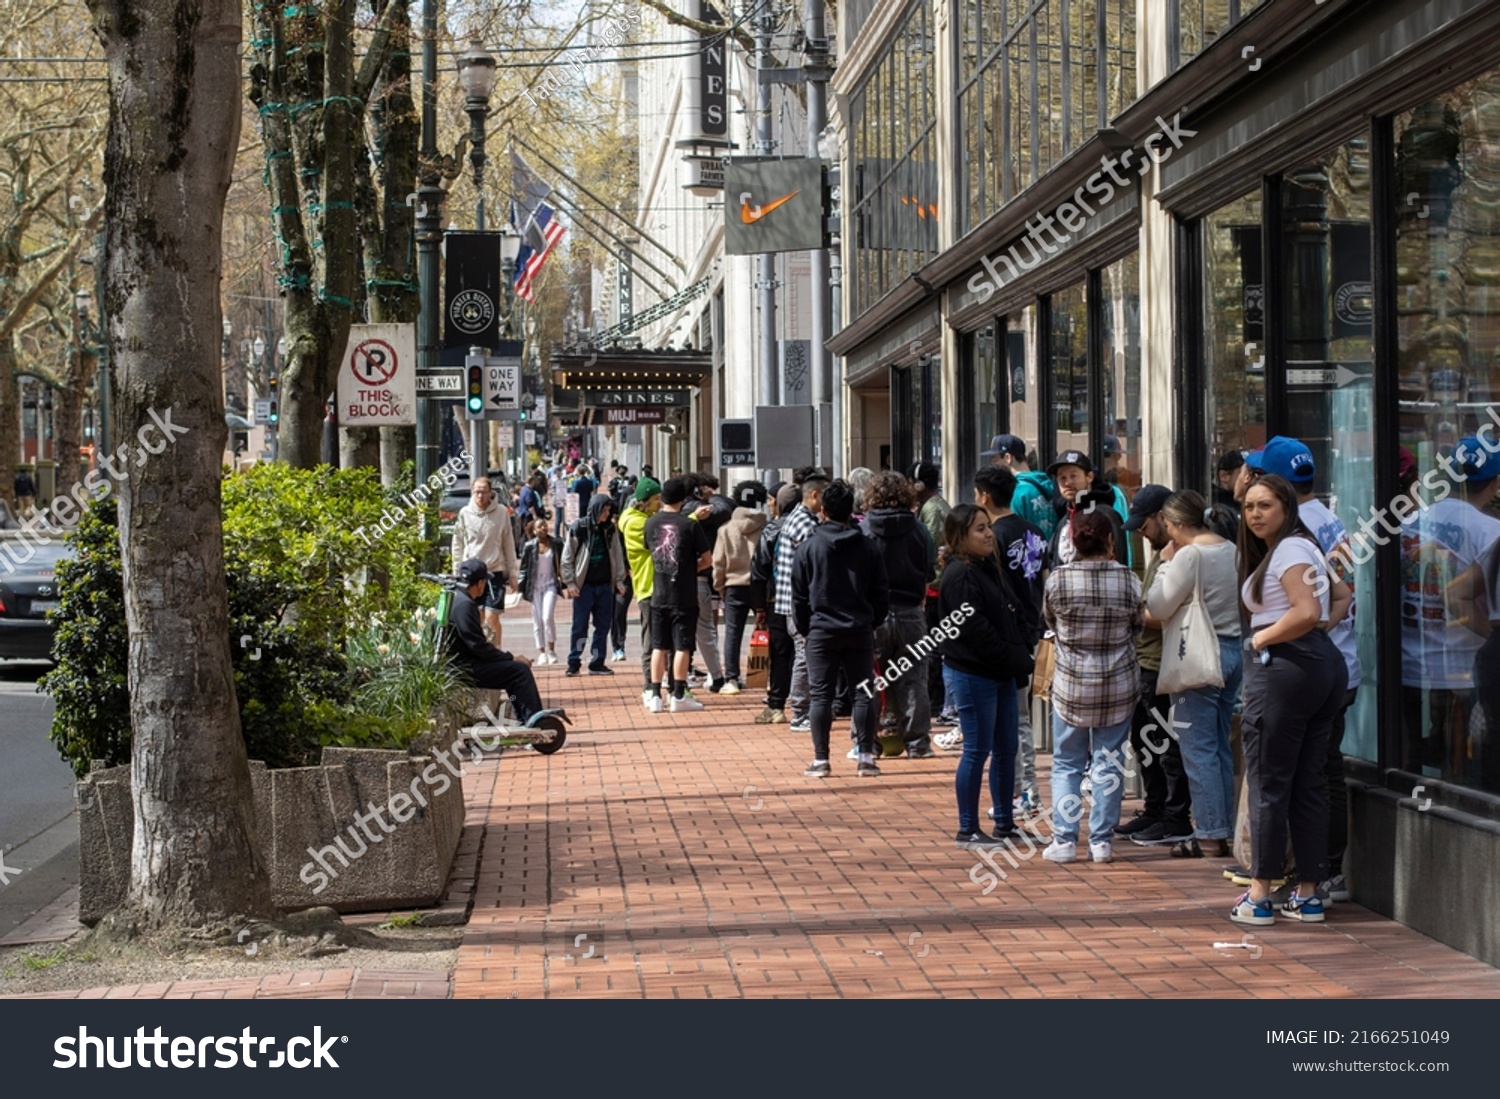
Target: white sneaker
x: 685, y: 705
x: 730, y: 688
x: 853, y: 752
x: 655, y: 705
x: 949, y: 742
x: 618, y: 656
x: 647, y: 696
x: 1101, y: 852
x: 1061, y: 851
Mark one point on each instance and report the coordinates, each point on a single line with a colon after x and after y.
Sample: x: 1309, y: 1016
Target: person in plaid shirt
x: 797, y: 529
x: 1093, y: 604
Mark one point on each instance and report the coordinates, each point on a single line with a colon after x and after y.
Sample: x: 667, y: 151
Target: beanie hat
x: 646, y: 488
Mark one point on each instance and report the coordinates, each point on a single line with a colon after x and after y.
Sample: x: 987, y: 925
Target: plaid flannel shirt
x: 1096, y: 610
x: 794, y: 531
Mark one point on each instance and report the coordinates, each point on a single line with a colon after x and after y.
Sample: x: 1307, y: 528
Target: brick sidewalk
x: 687, y: 855
x: 698, y: 861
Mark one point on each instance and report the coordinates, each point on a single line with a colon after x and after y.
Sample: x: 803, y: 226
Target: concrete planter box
x: 303, y: 809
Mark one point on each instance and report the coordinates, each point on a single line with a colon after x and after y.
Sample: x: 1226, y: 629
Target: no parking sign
x: 378, y: 376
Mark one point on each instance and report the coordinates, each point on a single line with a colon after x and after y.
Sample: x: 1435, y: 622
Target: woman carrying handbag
x: 1196, y: 596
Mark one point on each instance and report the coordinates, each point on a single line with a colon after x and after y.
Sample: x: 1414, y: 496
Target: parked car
x: 28, y: 590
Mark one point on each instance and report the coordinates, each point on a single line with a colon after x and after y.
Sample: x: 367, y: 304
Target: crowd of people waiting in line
x: 884, y: 604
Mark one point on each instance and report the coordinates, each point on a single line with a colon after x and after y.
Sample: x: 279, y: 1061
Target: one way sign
x: 502, y: 391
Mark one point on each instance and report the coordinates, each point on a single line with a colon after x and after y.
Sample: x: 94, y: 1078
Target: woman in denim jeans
x: 983, y: 654
x: 1200, y: 716
x: 1093, y: 605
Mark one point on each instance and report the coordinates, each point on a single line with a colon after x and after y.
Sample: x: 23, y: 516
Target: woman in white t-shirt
x: 1295, y: 680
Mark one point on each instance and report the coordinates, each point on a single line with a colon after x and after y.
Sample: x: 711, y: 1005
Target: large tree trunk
x: 174, y: 98
x: 10, y: 421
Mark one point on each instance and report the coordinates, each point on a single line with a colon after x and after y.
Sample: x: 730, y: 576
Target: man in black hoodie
x: 906, y: 549
x: 593, y: 573
x: 840, y: 593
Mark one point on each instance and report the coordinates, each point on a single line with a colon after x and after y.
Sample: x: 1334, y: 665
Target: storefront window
x: 1328, y: 331
x: 1448, y: 369
x: 1030, y: 93
x: 1234, y: 359
x: 1120, y: 311
x: 894, y: 164
x: 1069, y: 364
x: 1020, y: 368
x: 1201, y: 23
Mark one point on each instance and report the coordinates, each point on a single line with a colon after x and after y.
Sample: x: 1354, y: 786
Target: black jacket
x: 470, y: 645
x: 903, y: 545
x: 527, y: 582
x: 978, y: 605
x: 723, y: 511
x: 839, y: 581
x: 1104, y: 500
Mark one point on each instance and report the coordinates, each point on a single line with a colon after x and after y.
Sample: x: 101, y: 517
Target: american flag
x: 537, y: 223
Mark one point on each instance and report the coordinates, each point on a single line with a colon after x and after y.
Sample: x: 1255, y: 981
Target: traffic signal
x: 275, y: 417
x: 476, y: 392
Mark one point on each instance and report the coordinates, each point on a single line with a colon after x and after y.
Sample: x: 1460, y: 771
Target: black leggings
x: 1290, y: 705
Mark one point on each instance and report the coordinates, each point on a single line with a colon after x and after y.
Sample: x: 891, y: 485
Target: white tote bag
x: 1189, y: 645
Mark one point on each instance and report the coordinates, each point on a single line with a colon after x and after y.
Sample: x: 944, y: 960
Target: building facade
x: 1160, y: 230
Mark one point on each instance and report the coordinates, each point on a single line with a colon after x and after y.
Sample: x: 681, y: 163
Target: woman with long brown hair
x: 983, y: 655
x: 1295, y: 681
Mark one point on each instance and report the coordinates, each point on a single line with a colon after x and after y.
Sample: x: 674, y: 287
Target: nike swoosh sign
x: 751, y: 214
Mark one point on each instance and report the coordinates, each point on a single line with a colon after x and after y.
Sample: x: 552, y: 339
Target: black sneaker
x: 573, y: 669
x: 965, y: 841
x: 1015, y: 832
x: 716, y: 685
x: 1137, y: 823
x: 600, y: 670
x: 818, y: 770
x: 1162, y: 834
x: 924, y: 752
x: 867, y: 770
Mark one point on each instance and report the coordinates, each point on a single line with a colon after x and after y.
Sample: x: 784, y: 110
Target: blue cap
x: 1477, y: 461
x: 1285, y: 457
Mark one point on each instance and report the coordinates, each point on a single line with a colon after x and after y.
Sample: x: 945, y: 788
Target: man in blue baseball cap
x: 1285, y: 457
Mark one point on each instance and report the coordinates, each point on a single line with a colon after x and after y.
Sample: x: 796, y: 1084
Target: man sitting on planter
x: 490, y: 667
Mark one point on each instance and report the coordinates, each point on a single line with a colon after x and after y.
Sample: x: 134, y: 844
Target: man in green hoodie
x: 645, y: 502
x: 1034, y: 491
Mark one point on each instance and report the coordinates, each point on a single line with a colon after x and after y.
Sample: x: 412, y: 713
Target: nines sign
x: 636, y: 398
x: 713, y: 120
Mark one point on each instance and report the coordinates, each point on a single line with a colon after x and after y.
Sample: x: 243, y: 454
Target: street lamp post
x: 476, y: 76
x: 429, y: 238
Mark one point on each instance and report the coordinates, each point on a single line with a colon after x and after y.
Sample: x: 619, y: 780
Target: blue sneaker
x: 1306, y: 909
x: 1256, y: 913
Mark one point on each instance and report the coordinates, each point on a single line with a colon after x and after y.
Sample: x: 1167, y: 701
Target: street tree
x: 174, y: 112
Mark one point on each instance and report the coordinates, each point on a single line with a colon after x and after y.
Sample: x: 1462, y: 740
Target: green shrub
x: 309, y: 602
